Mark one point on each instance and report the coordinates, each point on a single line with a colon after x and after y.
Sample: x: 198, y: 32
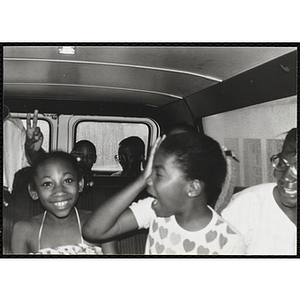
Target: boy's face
x: 86, y: 154
x: 167, y: 185
x: 57, y: 186
x: 129, y: 159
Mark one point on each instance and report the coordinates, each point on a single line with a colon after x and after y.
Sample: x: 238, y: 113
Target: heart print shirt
x: 167, y: 237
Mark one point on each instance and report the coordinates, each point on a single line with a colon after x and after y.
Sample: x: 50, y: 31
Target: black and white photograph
x: 149, y: 150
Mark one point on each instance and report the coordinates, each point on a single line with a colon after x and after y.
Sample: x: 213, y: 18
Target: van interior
x: 244, y: 96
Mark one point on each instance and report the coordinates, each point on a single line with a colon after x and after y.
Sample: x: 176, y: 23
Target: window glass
x: 106, y: 137
x: 45, y: 129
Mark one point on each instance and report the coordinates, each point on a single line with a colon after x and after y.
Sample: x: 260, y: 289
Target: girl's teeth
x: 60, y: 204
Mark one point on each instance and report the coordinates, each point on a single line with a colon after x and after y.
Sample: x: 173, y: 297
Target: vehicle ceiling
x: 150, y: 75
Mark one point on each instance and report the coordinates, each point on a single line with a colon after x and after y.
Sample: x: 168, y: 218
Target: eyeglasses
x: 280, y: 164
x: 118, y: 158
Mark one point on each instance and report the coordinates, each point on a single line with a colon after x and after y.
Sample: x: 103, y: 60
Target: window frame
x: 154, y: 129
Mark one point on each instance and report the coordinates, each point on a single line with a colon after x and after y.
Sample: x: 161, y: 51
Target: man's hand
x: 34, y: 136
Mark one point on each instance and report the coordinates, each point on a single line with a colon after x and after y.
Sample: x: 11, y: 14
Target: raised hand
x: 34, y: 136
x: 148, y: 169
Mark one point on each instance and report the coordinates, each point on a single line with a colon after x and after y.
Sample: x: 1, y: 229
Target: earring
x: 35, y: 196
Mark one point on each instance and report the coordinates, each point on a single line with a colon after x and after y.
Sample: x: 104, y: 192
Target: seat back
x: 132, y: 243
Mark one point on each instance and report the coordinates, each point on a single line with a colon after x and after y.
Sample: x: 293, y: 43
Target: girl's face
x: 167, y: 185
x: 57, y: 186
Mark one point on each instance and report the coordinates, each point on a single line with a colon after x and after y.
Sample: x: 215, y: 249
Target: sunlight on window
x: 106, y: 136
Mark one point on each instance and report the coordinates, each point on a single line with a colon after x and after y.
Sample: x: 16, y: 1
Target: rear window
x: 106, y: 136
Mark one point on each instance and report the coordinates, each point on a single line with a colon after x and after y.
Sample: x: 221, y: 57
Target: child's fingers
x: 28, y: 121
x: 157, y: 143
x: 35, y: 118
x: 160, y: 141
x: 154, y: 149
x: 148, y: 168
x: 37, y: 133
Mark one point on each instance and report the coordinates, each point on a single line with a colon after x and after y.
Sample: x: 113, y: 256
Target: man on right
x: 266, y: 214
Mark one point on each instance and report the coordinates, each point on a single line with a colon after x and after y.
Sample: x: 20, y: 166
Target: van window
x: 45, y: 129
x: 106, y: 136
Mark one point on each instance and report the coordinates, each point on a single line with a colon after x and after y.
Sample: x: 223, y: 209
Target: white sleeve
x: 143, y: 212
x: 237, y: 247
x: 241, y: 214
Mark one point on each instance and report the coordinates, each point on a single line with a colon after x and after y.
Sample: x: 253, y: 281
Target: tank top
x: 82, y: 248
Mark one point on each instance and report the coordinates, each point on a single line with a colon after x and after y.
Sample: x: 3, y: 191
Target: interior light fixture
x: 66, y: 50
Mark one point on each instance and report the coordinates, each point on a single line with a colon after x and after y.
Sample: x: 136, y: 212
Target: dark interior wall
x: 177, y: 112
x: 166, y: 116
x: 91, y: 108
x: 273, y: 80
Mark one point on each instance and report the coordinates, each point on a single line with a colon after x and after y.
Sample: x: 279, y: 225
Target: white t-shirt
x: 166, y: 236
x: 266, y: 228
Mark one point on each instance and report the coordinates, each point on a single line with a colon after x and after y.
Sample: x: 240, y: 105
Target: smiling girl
x: 184, y: 172
x: 56, y: 182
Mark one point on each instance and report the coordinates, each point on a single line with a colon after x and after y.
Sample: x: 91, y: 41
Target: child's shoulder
x: 29, y: 225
